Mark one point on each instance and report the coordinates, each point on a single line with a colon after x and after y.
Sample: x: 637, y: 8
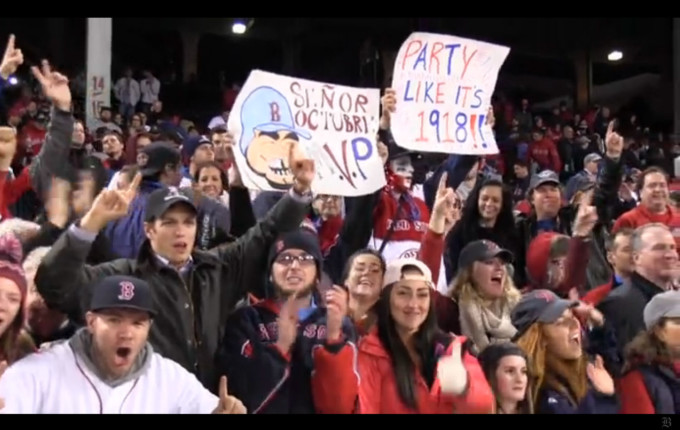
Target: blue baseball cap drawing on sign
x: 268, y: 130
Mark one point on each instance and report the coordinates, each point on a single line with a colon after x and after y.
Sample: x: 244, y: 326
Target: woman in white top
x: 109, y: 367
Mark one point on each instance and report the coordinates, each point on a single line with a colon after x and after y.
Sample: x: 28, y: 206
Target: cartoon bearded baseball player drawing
x: 268, y: 130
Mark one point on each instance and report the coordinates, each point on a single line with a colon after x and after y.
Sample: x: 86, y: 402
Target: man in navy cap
x: 194, y: 289
x: 109, y: 366
x: 267, y: 131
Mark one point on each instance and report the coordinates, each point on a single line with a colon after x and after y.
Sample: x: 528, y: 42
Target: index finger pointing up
x: 610, y: 127
x: 224, y: 392
x: 443, y: 181
x: 10, y: 45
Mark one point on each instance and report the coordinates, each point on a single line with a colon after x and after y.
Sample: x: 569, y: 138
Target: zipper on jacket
x: 187, y: 289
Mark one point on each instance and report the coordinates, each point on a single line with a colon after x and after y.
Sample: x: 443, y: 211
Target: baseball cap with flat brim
x: 538, y: 306
x: 161, y: 200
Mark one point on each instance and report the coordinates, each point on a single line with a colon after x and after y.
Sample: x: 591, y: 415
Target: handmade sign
x: 443, y: 86
x: 336, y: 126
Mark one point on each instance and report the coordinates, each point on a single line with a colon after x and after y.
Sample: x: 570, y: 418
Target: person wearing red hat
x: 15, y: 343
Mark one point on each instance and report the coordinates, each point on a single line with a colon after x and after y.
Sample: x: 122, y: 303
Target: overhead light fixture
x: 239, y: 26
x: 615, y: 56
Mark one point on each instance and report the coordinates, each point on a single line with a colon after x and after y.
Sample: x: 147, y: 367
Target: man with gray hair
x: 655, y: 260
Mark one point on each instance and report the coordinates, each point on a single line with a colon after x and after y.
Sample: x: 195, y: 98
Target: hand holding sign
x: 389, y: 105
x: 228, y: 404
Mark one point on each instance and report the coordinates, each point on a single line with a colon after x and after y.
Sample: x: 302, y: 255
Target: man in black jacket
x: 194, y: 290
x: 656, y: 269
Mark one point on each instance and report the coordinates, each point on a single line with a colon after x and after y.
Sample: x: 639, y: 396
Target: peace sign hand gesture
x: 54, y: 86
x: 445, y: 210
x: 586, y: 217
x: 12, y: 59
x: 110, y: 205
x: 228, y: 404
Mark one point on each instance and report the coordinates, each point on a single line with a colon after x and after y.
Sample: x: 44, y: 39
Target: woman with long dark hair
x: 407, y: 364
x: 486, y: 215
x: 506, y: 367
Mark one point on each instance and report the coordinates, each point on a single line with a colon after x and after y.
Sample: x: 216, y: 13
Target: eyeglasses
x: 288, y: 259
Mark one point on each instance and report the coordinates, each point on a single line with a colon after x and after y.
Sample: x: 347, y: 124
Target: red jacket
x: 544, y: 153
x: 633, y: 394
x: 640, y: 216
x: 597, y: 294
x: 12, y: 189
x: 378, y: 393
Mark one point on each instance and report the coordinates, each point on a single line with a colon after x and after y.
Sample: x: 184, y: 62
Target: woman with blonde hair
x: 549, y: 331
x: 485, y: 294
x: 506, y: 367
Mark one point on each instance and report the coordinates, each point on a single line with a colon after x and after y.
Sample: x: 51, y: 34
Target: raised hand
x: 57, y: 206
x: 389, y: 105
x: 288, y: 322
x: 452, y: 375
x: 302, y: 168
x: 110, y: 205
x: 82, y: 198
x: 445, y: 210
x: 337, y: 309
x: 54, y: 85
x: 599, y: 377
x: 589, y: 313
x: 586, y: 217
x: 228, y: 404
x: 12, y: 59
x: 613, y: 141
x: 490, y: 117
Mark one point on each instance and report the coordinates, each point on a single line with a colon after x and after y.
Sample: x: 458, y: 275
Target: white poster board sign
x: 443, y: 87
x: 336, y: 126
x: 99, y: 34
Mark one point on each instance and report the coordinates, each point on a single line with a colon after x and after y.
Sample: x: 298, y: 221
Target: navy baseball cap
x: 544, y: 177
x: 163, y: 199
x: 122, y: 292
x: 542, y: 306
x: 482, y: 250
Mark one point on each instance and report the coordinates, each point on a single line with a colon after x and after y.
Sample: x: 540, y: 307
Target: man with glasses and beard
x: 291, y: 353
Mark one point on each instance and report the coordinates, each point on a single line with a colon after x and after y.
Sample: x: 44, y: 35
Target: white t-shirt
x: 56, y: 381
